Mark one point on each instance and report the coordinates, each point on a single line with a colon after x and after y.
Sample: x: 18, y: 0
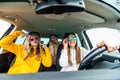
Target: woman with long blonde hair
x: 28, y: 56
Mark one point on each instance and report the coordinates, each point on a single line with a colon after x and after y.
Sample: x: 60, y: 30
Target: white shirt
x: 63, y: 61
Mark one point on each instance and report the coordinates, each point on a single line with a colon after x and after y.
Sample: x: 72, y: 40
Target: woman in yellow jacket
x: 28, y: 56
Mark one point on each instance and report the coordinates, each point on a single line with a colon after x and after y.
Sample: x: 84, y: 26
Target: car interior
x: 59, y: 17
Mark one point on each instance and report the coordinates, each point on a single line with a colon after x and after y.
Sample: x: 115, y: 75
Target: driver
x: 72, y: 55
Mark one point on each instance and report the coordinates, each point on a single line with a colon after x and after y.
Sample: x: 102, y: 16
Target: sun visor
x: 60, y: 6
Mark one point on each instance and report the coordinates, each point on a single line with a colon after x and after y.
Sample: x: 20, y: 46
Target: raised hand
x: 65, y: 43
x: 24, y: 35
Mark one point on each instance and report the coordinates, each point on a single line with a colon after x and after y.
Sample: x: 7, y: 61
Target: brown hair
x: 78, y: 54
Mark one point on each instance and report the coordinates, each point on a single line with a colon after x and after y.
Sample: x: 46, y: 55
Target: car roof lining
x: 52, y: 23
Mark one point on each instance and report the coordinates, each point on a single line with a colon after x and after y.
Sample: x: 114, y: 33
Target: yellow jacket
x: 30, y: 65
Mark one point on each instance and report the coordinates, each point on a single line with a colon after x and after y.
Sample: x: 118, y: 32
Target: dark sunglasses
x: 74, y: 38
x: 34, y: 39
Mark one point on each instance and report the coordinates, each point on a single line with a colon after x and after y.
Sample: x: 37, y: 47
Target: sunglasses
x: 34, y: 39
x: 74, y: 38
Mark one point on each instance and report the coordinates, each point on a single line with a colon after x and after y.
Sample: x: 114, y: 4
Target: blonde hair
x: 29, y: 49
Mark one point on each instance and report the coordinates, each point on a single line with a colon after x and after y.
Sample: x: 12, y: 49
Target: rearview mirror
x: 59, y: 6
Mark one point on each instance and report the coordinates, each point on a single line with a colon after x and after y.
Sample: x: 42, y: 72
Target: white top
x: 63, y: 61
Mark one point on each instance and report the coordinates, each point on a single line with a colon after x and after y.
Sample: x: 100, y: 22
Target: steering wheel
x: 86, y: 60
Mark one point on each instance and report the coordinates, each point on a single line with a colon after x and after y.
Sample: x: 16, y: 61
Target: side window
x: 95, y: 35
x: 5, y: 29
x: 46, y: 40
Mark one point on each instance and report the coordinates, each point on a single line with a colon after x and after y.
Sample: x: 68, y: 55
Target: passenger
x: 28, y: 56
x: 71, y: 55
x: 53, y: 46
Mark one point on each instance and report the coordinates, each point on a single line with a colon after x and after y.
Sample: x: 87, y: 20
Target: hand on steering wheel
x: 85, y: 62
x: 110, y: 45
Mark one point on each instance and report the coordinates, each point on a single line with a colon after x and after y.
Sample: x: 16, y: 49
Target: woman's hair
x: 29, y: 49
x: 53, y: 35
x: 66, y: 35
x: 78, y: 54
x: 51, y: 39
